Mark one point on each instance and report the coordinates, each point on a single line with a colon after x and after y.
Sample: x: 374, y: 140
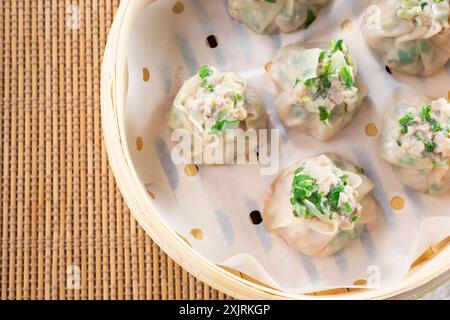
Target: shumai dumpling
x: 213, y: 104
x: 319, y: 205
x: 416, y: 140
x: 320, y: 88
x: 413, y: 36
x: 267, y: 16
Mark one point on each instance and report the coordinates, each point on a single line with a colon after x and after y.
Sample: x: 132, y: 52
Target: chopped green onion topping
x: 322, y: 56
x: 205, y: 71
x: 426, y: 112
x: 336, y: 45
x: 436, y: 126
x: 334, y: 195
x: 208, y: 85
x: 223, y: 125
x: 430, y: 146
x: 237, y: 97
x: 323, y: 114
x: 347, y: 207
x: 310, y: 82
x: 310, y: 18
x: 325, y: 85
x: 304, y: 187
x: 346, y: 77
x: 406, y: 119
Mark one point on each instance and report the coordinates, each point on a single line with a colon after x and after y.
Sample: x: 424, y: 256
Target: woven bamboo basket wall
x: 430, y: 270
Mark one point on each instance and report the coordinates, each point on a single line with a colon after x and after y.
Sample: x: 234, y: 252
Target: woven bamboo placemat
x: 65, y: 230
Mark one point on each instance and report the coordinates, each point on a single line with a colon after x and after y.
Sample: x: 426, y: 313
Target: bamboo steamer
x: 428, y: 272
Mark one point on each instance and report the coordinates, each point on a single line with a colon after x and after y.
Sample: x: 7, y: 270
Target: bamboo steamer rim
x: 114, y: 84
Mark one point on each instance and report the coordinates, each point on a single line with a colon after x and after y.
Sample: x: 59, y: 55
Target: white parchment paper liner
x: 219, y: 199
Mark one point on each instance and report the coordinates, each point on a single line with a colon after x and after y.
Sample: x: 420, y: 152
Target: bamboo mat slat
x: 62, y: 216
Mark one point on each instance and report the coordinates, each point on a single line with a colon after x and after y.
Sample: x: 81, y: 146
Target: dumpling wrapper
x: 179, y: 119
x: 403, y: 44
x: 265, y: 17
x: 300, y: 62
x: 312, y: 236
x: 417, y: 173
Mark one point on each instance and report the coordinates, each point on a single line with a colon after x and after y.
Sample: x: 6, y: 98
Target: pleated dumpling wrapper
x: 320, y: 88
x: 416, y: 140
x: 319, y: 205
x: 268, y: 16
x: 217, y: 108
x: 413, y: 36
